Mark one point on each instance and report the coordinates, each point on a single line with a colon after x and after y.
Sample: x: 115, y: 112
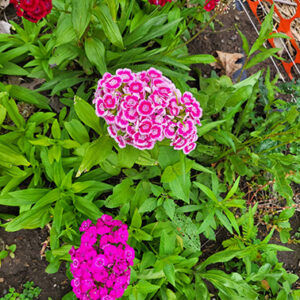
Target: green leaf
x: 13, y: 111
x: 281, y: 184
x: 30, y: 219
x: 52, y: 196
x: 22, y: 197
x: 169, y: 271
x: 286, y: 214
x: 77, y: 131
x: 122, y: 193
x: 209, y: 193
x: 113, y: 8
x: 55, y: 130
x: 284, y: 236
x: 148, y: 205
x: 233, y: 189
x: 200, y: 168
x: 110, y: 28
x: 201, y: 290
x: 209, y: 126
x: 265, y: 30
x: 222, y: 256
x: 224, y: 221
x: 128, y: 156
x: 244, y: 40
x: 9, y: 68
x: 12, y: 157
x: 81, y: 15
x: 65, y: 32
x: 69, y: 296
x: 86, y: 207
x: 2, y: 113
x: 167, y: 156
x: 96, y: 153
x: 178, y: 178
x: 145, y: 287
x: 197, y: 59
x: 87, y: 115
x: 169, y: 206
x: 32, y: 97
x: 64, y: 53
x: 95, y: 52
x: 136, y: 221
x: 262, y: 56
x: 167, y: 243
x: 91, y: 186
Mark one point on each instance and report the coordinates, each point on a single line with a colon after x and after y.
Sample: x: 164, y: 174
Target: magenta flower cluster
x: 100, y: 265
x: 143, y: 108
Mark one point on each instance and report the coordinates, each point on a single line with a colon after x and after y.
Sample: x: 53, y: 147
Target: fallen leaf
x: 3, y: 4
x: 32, y: 84
x: 279, y: 44
x: 16, y: 80
x: 265, y: 284
x: 227, y: 62
x: 4, y: 27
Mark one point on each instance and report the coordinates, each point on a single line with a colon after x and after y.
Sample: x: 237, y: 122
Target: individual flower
x: 210, y: 4
x: 100, y: 265
x: 159, y: 2
x: 143, y: 108
x: 32, y: 10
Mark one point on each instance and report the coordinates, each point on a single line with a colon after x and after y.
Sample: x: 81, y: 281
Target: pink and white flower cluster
x: 100, y: 265
x: 143, y: 108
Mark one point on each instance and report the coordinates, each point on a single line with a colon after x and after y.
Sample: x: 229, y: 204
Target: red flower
x: 210, y: 5
x: 28, y: 5
x: 32, y: 10
x: 159, y: 2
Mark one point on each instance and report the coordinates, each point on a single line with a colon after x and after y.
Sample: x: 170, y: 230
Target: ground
x: 28, y: 265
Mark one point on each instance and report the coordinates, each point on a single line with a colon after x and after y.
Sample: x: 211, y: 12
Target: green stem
x: 243, y: 68
x: 252, y: 142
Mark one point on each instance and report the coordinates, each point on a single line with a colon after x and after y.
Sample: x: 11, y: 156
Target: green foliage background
x: 62, y: 168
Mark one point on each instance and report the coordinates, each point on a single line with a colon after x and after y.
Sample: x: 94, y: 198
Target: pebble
x: 236, y: 18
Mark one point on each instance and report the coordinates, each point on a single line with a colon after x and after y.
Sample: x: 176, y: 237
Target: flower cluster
x: 159, y: 2
x: 32, y: 10
x: 210, y: 4
x: 143, y: 108
x: 100, y: 265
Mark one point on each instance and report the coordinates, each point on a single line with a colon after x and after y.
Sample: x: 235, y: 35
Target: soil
x: 225, y: 38
x: 28, y: 265
x: 291, y: 259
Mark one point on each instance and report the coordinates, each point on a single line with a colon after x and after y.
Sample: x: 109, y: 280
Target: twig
x: 285, y: 2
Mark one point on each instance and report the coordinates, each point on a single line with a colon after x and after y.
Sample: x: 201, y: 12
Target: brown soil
x: 225, y: 38
x: 28, y: 265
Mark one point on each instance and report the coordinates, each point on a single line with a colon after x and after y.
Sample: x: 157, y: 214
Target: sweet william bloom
x: 210, y: 4
x: 100, y: 265
x: 32, y: 10
x: 146, y: 108
x: 159, y: 2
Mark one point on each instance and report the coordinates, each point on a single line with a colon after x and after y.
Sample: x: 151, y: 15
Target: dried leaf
x: 3, y: 4
x: 4, y: 27
x: 227, y: 62
x: 279, y: 44
x: 33, y: 84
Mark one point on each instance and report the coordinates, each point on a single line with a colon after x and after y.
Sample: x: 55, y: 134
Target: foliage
x: 60, y: 168
x: 29, y: 292
x: 9, y: 251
